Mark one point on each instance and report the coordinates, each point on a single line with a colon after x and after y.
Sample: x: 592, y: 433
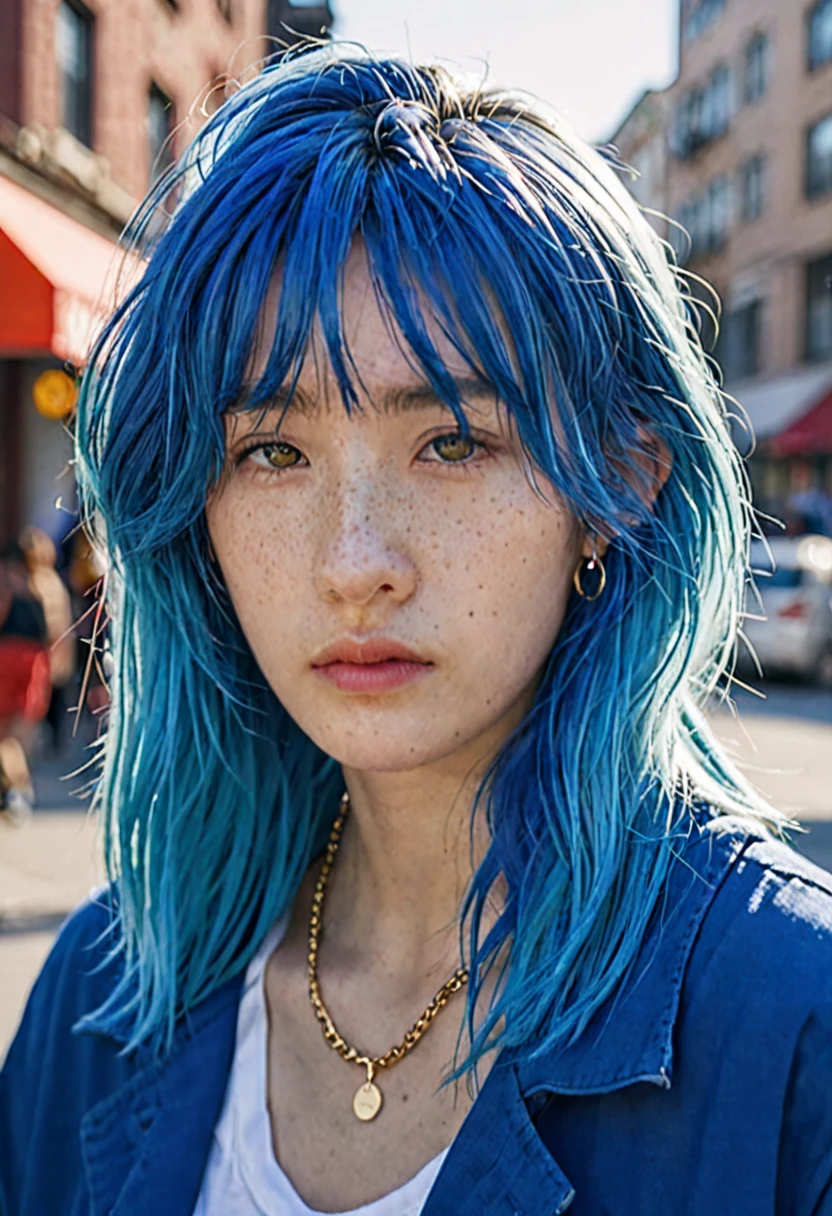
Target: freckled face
x: 387, y: 529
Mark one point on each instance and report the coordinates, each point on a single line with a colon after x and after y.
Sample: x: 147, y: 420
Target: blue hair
x: 485, y: 216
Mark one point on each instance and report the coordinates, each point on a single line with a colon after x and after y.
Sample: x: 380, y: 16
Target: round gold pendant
x: 367, y: 1101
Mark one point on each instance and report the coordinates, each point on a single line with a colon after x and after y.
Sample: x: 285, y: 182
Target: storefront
x: 57, y: 281
x: 784, y: 427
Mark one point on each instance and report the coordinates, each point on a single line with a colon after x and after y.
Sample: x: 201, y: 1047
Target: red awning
x: 54, y: 277
x: 811, y: 433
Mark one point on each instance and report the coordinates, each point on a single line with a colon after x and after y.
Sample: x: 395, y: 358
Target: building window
x: 819, y: 308
x: 756, y: 68
x: 700, y: 16
x: 718, y: 102
x: 74, y: 34
x: 752, y: 188
x: 160, y: 123
x: 703, y: 113
x: 685, y: 234
x: 819, y: 157
x: 738, y: 345
x: 718, y: 209
x: 820, y: 34
x: 705, y: 219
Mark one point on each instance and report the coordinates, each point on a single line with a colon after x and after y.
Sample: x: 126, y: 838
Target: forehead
x: 385, y: 373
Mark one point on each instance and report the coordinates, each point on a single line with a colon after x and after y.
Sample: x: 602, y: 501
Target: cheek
x: 261, y: 558
x: 514, y: 567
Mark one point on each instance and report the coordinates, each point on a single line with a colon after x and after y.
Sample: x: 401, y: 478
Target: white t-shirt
x: 243, y: 1177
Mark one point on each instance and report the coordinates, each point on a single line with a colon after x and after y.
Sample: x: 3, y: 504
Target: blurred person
x: 24, y: 679
x: 431, y: 888
x: 48, y: 586
x: 814, y: 505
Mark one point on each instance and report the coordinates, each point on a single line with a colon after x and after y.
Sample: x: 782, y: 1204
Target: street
x: 784, y: 743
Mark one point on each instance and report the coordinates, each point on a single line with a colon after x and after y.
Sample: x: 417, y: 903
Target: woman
x: 41, y: 557
x: 428, y: 545
x: 24, y: 680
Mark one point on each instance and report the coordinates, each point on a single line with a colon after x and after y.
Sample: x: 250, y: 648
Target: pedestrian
x: 24, y: 681
x: 431, y: 889
x: 49, y: 588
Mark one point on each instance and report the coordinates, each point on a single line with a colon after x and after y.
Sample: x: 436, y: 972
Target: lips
x: 369, y: 665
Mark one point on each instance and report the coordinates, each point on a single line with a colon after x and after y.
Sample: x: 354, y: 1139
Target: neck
x: 406, y: 859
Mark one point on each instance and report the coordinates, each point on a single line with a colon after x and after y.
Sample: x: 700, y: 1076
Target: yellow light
x: 54, y: 394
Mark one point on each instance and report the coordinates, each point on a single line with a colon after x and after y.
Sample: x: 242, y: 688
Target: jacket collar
x: 630, y: 1038
x: 145, y: 1146
x: 498, y: 1162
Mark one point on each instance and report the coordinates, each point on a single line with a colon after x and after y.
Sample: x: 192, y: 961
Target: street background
x: 722, y: 107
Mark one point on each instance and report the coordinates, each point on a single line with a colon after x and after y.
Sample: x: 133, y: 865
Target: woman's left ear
x: 655, y: 461
x: 646, y: 471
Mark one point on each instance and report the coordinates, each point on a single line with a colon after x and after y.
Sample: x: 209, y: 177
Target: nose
x: 362, y: 557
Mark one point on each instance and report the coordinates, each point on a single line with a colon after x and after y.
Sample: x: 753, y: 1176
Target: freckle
x: 470, y: 614
x: 405, y: 1097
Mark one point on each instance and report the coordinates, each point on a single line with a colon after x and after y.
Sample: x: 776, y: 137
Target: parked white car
x: 793, y: 575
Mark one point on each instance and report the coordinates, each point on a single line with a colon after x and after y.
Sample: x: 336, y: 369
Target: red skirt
x: 25, y: 683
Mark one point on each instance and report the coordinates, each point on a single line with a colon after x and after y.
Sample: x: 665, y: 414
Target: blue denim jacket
x: 704, y: 1085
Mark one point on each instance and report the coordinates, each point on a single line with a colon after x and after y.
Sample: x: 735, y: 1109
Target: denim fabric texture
x: 703, y: 1086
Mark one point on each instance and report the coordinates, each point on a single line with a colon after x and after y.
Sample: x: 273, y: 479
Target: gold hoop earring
x: 592, y: 563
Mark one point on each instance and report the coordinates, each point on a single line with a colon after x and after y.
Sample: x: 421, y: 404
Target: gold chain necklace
x: 367, y: 1101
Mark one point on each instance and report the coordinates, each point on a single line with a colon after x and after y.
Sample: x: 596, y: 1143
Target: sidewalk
x: 47, y: 867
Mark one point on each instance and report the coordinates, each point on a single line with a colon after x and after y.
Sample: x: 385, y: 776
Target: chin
x: 396, y: 749
x: 373, y: 757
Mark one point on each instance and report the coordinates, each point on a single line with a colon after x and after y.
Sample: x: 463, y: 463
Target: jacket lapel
x: 498, y: 1163
x: 145, y: 1146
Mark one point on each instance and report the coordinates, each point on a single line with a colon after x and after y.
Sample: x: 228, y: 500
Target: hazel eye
x: 453, y: 448
x: 275, y: 456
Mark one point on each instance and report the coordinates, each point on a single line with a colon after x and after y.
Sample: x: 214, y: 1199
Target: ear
x: 653, y: 461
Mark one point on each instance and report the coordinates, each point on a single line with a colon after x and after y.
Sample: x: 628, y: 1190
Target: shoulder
x: 770, y: 916
x: 76, y: 978
x: 81, y: 966
x: 53, y: 1075
x: 755, y: 1024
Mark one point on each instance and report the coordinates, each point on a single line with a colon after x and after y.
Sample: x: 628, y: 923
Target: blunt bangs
x: 485, y: 218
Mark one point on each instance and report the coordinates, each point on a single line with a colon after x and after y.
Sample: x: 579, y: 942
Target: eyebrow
x: 394, y: 401
x: 423, y: 396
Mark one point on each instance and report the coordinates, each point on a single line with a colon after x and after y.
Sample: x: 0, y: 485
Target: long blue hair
x: 493, y: 220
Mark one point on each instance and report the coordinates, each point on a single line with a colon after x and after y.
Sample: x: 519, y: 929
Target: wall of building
x: 766, y: 255
x: 180, y: 48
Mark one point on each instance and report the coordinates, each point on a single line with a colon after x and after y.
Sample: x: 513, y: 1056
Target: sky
x: 589, y: 58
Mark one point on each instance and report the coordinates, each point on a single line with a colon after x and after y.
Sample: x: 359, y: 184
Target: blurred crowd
x: 49, y: 680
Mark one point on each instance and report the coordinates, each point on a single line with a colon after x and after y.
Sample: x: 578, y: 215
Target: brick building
x: 748, y: 140
x: 95, y: 98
